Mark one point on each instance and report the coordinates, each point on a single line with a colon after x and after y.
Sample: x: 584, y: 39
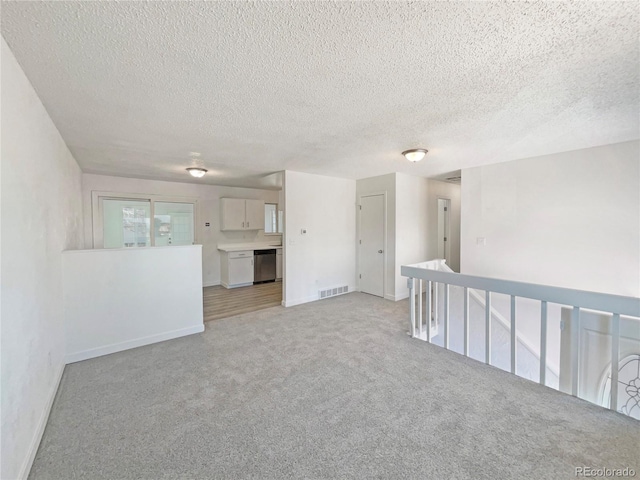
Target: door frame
x: 384, y: 238
x: 447, y: 228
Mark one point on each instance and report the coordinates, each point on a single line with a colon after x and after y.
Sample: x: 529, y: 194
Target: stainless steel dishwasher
x: 264, y: 266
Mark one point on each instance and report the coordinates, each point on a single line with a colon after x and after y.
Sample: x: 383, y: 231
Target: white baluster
x: 543, y: 342
x: 412, y: 308
x: 575, y: 348
x: 487, y: 346
x: 446, y: 316
x: 435, y: 303
x: 466, y: 321
x: 419, y: 294
x: 427, y: 309
x: 514, y: 335
x: 615, y: 359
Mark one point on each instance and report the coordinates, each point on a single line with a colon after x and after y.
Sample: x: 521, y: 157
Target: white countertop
x: 131, y: 249
x: 238, y: 247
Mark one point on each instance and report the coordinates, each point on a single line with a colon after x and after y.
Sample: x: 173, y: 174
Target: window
x: 272, y: 218
x: 173, y: 223
x: 124, y: 221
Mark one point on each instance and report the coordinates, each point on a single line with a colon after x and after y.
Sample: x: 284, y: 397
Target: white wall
x: 374, y: 185
x: 41, y: 216
x: 326, y: 255
x: 116, y: 299
x: 412, y: 225
x: 570, y: 219
x: 438, y: 189
x: 208, y: 197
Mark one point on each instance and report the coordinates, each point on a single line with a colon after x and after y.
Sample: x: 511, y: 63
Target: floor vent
x: 330, y: 292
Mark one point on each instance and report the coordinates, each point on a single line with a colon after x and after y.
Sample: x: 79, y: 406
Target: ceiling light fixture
x: 197, y: 171
x: 415, y: 154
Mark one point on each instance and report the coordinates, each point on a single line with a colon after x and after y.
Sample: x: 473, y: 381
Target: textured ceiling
x: 335, y: 88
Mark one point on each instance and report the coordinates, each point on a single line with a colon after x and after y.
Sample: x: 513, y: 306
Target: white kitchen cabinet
x: 241, y: 214
x: 233, y: 211
x: 278, y: 264
x: 236, y: 269
x: 254, y: 215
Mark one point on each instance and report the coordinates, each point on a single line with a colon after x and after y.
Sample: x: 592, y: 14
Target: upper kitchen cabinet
x: 255, y: 214
x: 233, y: 214
x: 242, y: 214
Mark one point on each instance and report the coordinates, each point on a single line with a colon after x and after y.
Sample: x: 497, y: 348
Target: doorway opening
x: 444, y: 229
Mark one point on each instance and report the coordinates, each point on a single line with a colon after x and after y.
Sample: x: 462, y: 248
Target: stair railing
x: 431, y: 273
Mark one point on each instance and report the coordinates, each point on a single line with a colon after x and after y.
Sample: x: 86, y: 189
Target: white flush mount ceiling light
x: 415, y: 154
x: 197, y: 171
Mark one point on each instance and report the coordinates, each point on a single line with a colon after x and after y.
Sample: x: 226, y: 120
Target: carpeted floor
x: 331, y: 389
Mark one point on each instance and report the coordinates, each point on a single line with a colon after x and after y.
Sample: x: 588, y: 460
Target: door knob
x: 379, y: 251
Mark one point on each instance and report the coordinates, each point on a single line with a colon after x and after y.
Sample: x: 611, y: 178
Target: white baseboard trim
x: 313, y: 298
x: 129, y: 344
x: 397, y: 298
x: 42, y: 423
x: 210, y: 284
x: 300, y: 301
x: 226, y: 285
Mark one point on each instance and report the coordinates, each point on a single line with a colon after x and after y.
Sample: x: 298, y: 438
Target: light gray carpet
x: 332, y: 389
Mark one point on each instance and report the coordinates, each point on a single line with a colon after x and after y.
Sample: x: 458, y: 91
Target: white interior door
x: 372, y: 245
x: 443, y: 229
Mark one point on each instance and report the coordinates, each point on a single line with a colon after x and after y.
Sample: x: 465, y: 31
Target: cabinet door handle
x: 242, y: 224
x: 247, y: 224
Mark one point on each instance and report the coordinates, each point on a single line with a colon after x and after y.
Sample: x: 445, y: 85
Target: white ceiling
x: 335, y: 88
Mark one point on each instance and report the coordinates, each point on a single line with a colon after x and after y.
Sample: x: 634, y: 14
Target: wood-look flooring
x: 220, y: 302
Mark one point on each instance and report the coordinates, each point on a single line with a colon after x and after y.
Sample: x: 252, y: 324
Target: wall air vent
x: 331, y: 292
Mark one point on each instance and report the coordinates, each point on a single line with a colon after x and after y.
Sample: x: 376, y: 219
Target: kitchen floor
x: 220, y: 302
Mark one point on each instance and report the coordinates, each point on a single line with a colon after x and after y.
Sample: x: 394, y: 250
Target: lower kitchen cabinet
x: 236, y: 269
